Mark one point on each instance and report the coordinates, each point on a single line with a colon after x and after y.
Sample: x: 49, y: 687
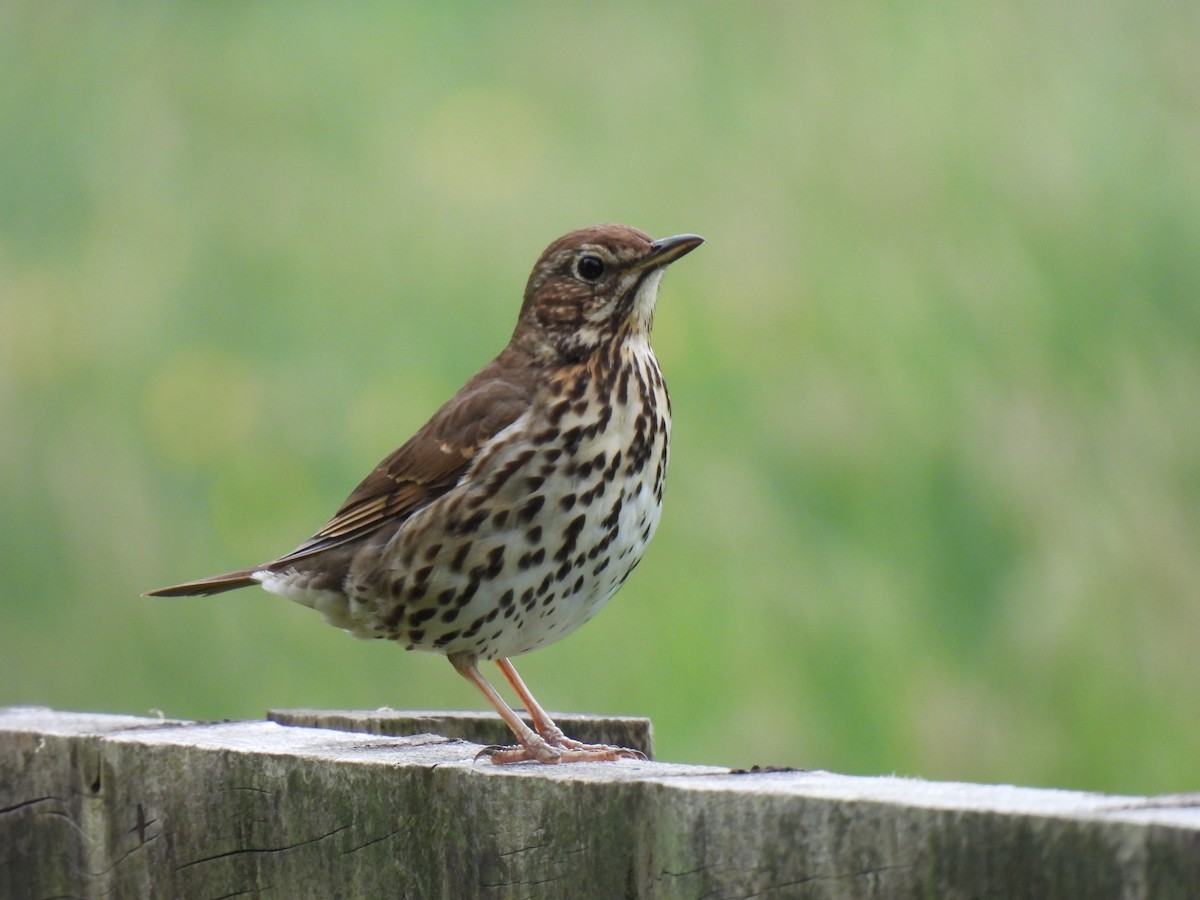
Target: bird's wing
x: 431, y: 462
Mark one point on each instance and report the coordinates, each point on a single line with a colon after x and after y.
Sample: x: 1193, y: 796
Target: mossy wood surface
x: 117, y: 806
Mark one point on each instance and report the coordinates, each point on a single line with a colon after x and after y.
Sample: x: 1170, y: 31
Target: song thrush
x: 521, y: 507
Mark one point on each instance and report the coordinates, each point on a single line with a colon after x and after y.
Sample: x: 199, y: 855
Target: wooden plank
x: 124, y: 807
x: 487, y: 729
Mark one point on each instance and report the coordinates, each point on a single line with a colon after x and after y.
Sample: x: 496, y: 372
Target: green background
x: 934, y: 501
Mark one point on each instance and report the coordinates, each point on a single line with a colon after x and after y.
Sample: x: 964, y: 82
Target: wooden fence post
x: 117, y: 806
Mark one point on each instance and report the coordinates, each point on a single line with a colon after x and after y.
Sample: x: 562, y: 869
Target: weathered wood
x: 487, y: 729
x: 117, y: 806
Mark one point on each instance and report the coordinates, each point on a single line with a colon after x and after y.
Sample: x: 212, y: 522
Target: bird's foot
x: 557, y: 749
x: 553, y: 735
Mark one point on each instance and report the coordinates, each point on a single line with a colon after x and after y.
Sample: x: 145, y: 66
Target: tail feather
x: 215, y: 585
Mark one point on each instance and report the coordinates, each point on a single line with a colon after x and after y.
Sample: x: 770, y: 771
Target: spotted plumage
x: 524, y: 503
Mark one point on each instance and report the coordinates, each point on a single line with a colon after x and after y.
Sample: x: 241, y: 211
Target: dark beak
x: 666, y: 250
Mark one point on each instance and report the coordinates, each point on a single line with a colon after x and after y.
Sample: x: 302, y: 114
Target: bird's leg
x: 542, y: 722
x: 532, y: 746
x: 552, y: 734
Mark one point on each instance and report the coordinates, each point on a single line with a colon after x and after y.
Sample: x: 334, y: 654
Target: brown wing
x: 433, y: 460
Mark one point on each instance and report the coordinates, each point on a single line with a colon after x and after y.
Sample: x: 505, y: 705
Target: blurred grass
x: 934, y: 505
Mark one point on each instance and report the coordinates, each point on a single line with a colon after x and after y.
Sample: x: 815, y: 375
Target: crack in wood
x: 245, y: 851
x: 25, y: 804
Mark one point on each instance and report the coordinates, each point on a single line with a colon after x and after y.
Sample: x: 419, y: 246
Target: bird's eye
x: 589, y: 268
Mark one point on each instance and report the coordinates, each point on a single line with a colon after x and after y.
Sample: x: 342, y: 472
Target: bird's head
x: 594, y: 286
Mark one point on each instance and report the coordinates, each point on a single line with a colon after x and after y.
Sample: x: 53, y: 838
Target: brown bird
x: 521, y: 507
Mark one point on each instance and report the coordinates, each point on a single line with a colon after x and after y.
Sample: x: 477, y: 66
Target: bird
x: 523, y: 504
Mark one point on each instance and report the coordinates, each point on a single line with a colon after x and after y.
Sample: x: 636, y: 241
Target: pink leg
x: 532, y: 746
x: 551, y: 733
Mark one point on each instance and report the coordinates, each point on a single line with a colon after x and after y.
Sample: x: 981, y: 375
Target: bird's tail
x: 214, y: 585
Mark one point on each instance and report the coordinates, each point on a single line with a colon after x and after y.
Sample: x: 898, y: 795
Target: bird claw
x: 562, y: 750
x: 491, y: 750
x: 598, y: 751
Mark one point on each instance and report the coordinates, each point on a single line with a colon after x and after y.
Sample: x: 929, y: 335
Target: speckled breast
x: 549, y: 521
